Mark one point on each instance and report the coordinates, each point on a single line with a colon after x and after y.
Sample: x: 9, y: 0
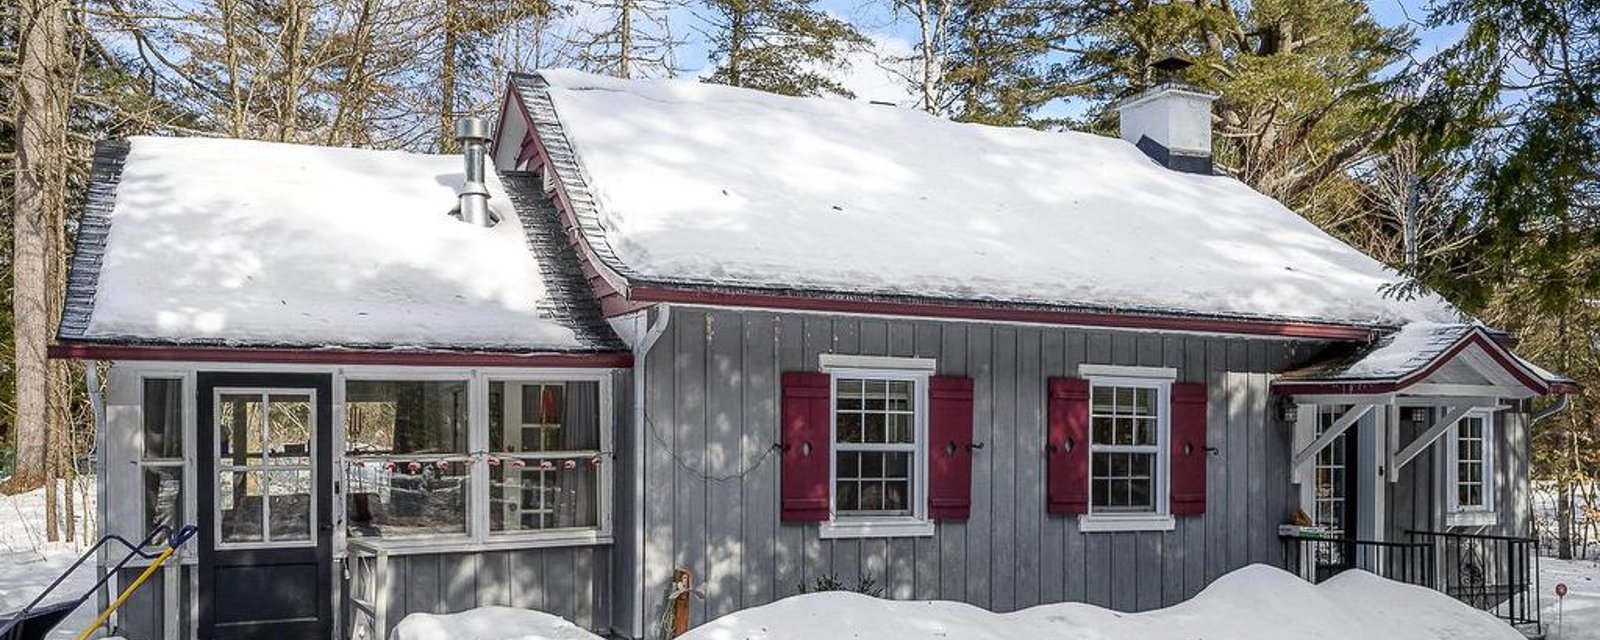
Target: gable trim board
x: 1334, y: 384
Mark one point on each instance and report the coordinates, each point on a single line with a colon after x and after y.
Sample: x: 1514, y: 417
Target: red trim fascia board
x: 1496, y: 352
x: 90, y: 351
x: 608, y: 280
x: 654, y: 294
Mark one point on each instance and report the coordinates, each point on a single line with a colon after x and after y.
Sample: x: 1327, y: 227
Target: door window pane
x: 239, y: 505
x: 289, y: 429
x: 289, y: 505
x: 239, y: 418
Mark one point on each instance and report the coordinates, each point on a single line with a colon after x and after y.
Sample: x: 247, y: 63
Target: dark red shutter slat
x: 804, y: 463
x: 1067, y: 446
x: 1188, y: 448
x: 949, y: 453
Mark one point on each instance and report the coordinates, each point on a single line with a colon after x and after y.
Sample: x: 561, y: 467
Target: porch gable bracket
x: 1306, y: 455
x: 1417, y: 446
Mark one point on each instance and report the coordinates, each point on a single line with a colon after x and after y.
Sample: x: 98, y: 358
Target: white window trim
x: 1457, y: 515
x: 187, y: 554
x: 1160, y: 379
x: 478, y: 537
x: 917, y: 371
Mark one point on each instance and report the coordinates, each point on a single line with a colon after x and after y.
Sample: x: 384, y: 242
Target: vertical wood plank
x: 1052, y: 362
x: 726, y: 463
x: 689, y: 444
x: 1001, y: 453
x: 953, y: 535
x: 980, y: 366
x: 1028, y: 453
x: 760, y: 499
x: 789, y: 552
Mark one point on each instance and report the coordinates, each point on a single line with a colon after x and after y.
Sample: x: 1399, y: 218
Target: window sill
x: 1141, y: 522
x: 897, y: 528
x: 1471, y: 519
x: 424, y: 546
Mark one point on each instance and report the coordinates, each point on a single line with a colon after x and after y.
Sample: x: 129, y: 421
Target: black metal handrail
x: 1495, y: 573
x: 1318, y: 559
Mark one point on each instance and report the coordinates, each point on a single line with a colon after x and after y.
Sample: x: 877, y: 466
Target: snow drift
x: 1256, y: 602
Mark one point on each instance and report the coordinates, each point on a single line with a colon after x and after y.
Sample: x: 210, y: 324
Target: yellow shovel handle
x: 128, y: 593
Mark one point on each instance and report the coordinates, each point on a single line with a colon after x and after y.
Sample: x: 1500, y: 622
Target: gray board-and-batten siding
x: 710, y: 473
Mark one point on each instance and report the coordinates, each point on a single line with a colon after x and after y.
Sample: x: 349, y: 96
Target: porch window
x: 1471, y: 466
x: 1127, y: 425
x: 407, y: 471
x: 161, y: 466
x: 544, y: 455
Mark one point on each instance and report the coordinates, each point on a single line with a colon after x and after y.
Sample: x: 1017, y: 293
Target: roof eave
x: 1479, y: 336
x: 336, y: 355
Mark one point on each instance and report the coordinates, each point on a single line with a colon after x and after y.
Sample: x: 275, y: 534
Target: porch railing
x: 1317, y: 559
x: 1498, y: 574
x: 368, y: 568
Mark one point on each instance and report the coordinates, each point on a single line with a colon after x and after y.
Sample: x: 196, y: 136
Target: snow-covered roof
x: 231, y: 242
x: 1448, y: 353
x: 696, y: 185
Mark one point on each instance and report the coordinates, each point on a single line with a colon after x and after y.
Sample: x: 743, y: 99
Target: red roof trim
x: 89, y: 351
x: 1496, y: 351
x: 972, y: 312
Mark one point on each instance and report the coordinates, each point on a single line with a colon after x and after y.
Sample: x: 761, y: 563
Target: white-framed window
x: 407, y: 469
x: 161, y: 452
x: 1469, y: 470
x: 545, y: 448
x: 1129, y: 431
x: 441, y: 460
x: 879, y: 432
x: 1330, y: 474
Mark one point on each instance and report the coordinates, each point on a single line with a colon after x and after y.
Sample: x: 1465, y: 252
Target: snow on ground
x: 488, y: 623
x: 1254, y: 603
x: 890, y: 201
x: 28, y: 564
x: 1579, y: 615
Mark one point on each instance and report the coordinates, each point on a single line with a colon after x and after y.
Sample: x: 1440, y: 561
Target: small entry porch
x: 1411, y: 462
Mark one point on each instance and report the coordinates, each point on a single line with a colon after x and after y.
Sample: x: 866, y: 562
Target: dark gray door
x: 264, y: 491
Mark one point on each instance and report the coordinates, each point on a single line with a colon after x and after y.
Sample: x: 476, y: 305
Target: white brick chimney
x: 1170, y: 122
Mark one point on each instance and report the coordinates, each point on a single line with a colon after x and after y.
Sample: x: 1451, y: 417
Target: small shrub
x: 830, y: 582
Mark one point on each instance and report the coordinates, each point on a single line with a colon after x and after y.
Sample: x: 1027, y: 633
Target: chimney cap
x: 471, y: 128
x: 1171, y: 65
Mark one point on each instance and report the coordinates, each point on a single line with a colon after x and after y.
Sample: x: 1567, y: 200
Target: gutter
x: 97, y: 409
x: 1562, y: 402
x: 640, y: 350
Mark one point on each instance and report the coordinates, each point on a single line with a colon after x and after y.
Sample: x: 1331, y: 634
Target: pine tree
x: 1303, y: 102
x: 994, y: 71
x: 782, y: 46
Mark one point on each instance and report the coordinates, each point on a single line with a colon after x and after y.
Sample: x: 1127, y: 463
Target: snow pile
x: 28, y: 563
x: 1256, y: 602
x: 488, y: 623
x: 1407, y: 350
x: 710, y: 185
x: 261, y: 243
x: 1578, y: 616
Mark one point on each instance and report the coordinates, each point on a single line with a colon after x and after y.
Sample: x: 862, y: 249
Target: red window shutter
x: 1067, y: 447
x: 949, y: 453
x: 807, y: 441
x: 1188, y: 448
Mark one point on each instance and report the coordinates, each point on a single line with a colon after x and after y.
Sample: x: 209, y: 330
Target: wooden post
x: 682, y: 588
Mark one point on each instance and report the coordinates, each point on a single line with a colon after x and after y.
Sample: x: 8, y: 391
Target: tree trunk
x: 447, y: 80
x: 42, y: 99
